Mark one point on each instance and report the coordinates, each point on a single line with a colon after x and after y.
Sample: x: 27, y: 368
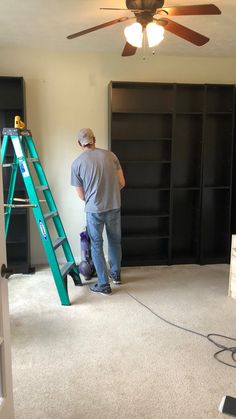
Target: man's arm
x: 121, y: 178
x: 80, y: 192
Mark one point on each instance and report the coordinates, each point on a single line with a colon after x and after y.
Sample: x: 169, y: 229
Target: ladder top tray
x: 16, y: 131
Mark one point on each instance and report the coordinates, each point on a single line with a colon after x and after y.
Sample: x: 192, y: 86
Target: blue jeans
x: 95, y: 226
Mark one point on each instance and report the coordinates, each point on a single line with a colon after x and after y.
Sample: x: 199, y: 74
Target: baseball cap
x: 86, y: 136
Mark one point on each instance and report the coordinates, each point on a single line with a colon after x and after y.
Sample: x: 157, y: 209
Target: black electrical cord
x: 209, y: 336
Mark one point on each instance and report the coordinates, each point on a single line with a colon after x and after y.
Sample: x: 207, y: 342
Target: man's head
x: 86, y: 137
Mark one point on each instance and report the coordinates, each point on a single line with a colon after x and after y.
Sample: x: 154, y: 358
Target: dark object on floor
x: 86, y: 266
x: 228, y: 405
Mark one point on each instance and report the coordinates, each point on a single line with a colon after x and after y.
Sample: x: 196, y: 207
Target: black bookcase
x: 18, y: 249
x: 175, y: 144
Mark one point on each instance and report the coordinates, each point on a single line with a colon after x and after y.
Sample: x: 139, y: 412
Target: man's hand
x: 121, y: 178
x: 80, y: 192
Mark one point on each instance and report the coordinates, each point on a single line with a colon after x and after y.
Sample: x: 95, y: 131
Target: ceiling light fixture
x: 134, y: 34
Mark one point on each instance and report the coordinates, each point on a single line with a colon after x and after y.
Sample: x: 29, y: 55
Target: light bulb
x: 155, y: 34
x: 134, y: 34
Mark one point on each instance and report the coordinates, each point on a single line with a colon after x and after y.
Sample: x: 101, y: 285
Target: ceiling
x: 46, y: 24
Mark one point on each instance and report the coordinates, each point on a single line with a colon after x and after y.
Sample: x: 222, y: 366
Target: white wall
x: 68, y: 91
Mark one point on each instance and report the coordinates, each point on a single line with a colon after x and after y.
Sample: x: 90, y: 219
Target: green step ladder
x: 24, y: 153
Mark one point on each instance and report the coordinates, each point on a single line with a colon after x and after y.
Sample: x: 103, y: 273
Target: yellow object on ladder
x: 18, y: 123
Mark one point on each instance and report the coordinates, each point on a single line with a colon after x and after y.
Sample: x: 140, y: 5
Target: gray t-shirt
x: 96, y: 172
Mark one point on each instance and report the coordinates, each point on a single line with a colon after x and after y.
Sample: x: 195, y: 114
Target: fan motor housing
x: 144, y: 18
x: 150, y: 5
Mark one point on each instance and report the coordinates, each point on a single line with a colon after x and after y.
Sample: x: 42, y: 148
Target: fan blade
x: 128, y: 50
x: 200, y: 9
x: 183, y: 32
x: 130, y: 10
x: 95, y: 28
x: 111, y: 8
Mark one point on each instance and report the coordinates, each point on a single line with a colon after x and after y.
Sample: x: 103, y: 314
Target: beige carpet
x: 108, y: 357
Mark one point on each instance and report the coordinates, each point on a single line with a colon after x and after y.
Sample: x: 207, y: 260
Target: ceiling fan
x: 147, y: 12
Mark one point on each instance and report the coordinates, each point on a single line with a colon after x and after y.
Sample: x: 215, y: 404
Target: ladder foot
x: 76, y: 278
x: 78, y: 284
x: 66, y: 304
x: 65, y: 284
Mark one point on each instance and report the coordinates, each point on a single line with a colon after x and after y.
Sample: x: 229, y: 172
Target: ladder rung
x: 42, y: 188
x: 66, y: 268
x: 58, y: 242
x: 7, y: 165
x: 49, y: 215
x: 33, y: 159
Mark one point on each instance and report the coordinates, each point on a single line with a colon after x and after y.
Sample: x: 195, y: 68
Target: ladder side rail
x: 49, y: 198
x: 74, y: 272
x: 4, y: 147
x: 52, y: 207
x: 11, y: 191
x: 40, y: 172
x: 12, y: 183
x: 59, y: 227
x: 47, y: 193
x: 40, y: 222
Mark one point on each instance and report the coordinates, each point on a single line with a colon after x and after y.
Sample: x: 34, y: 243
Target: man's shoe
x: 115, y: 278
x: 101, y: 289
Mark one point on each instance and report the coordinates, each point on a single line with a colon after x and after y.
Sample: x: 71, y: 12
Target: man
x: 98, y: 177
